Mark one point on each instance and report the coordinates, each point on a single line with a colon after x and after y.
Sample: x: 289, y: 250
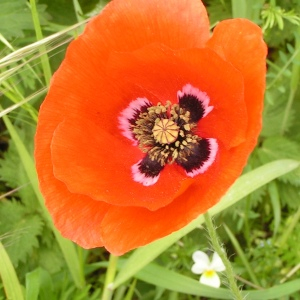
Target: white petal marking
x: 128, y: 114
x: 213, y: 146
x: 188, y: 89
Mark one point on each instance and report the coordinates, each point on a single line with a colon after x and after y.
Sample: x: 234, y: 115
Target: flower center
x: 167, y: 134
x: 210, y: 273
x: 165, y: 131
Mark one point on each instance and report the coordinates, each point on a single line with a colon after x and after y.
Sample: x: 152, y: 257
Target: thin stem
x: 109, y: 279
x: 217, y: 247
x: 39, y: 35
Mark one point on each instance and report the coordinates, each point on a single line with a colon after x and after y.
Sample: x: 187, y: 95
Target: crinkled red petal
x: 77, y: 217
x: 93, y: 162
x: 163, y: 72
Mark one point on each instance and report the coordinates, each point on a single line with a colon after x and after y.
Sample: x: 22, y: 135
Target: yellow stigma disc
x: 165, y: 131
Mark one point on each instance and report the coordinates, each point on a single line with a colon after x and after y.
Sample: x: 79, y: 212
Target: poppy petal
x: 162, y: 71
x: 77, y: 217
x: 240, y: 42
x: 105, y: 173
x: 135, y: 23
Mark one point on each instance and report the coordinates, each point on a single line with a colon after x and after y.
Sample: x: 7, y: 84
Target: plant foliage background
x: 261, y: 232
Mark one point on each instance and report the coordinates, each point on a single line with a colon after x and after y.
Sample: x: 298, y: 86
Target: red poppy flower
x: 148, y: 121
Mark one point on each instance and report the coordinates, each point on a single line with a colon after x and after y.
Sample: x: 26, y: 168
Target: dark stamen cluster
x: 179, y: 149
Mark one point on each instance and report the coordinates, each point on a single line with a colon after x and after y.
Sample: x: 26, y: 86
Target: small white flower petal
x: 217, y: 263
x: 210, y: 278
x: 201, y: 257
x: 197, y: 268
x: 201, y: 262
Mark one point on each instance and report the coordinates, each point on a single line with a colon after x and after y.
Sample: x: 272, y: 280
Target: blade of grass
x: 67, y: 247
x: 27, y: 65
x: 33, y: 284
x: 39, y: 35
x: 286, y: 234
x: 241, y: 254
x: 239, y: 8
x: 243, y: 186
x: 275, y: 201
x: 294, y: 84
x: 9, y: 277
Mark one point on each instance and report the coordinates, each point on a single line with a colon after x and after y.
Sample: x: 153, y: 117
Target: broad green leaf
x: 243, y: 186
x: 33, y: 284
x: 275, y: 292
x: 8, y: 276
x: 160, y: 276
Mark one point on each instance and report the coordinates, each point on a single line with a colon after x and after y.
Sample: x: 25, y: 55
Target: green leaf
x: 246, y: 184
x: 279, y: 147
x: 160, y: 276
x: 276, y: 205
x: 289, y: 195
x: 218, y: 11
x: 9, y: 278
x: 239, y: 8
x: 21, y: 229
x: 33, y: 284
x: 15, y: 18
x: 241, y: 255
x: 13, y: 174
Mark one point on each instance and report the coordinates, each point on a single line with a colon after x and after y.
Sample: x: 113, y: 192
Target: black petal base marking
x: 194, y: 101
x: 146, y: 171
x: 198, y: 157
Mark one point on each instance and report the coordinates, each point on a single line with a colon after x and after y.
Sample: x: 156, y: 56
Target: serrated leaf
x: 274, y: 112
x: 219, y: 10
x: 15, y: 18
x: 279, y: 147
x: 13, y: 174
x: 289, y: 195
x: 21, y: 229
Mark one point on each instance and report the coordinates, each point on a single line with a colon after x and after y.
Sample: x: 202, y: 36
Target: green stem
x: 217, y: 247
x: 109, y: 279
x: 294, y: 83
x: 39, y: 35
